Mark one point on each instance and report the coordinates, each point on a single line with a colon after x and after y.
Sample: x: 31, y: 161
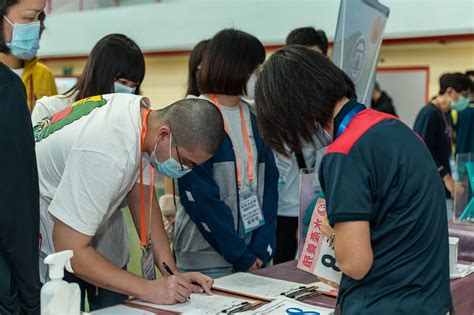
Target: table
x: 462, y: 290
x: 465, y: 232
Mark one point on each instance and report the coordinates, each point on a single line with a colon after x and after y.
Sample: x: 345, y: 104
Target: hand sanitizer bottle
x: 58, y: 296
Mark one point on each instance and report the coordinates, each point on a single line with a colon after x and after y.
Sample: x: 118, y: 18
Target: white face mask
x: 251, y: 87
x: 122, y: 88
x: 170, y: 168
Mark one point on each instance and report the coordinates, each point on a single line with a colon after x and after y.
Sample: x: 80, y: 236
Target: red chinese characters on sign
x: 308, y: 261
x: 314, y: 238
x: 311, y: 248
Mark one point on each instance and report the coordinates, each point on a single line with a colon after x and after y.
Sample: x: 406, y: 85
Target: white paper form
x: 255, y: 286
x: 120, y: 310
x: 199, y: 304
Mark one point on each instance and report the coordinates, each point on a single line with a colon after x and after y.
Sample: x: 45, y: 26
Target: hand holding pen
x: 198, y: 282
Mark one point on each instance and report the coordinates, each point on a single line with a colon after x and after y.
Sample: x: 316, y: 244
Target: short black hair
x: 195, y: 124
x: 228, y: 62
x: 113, y: 57
x: 296, y: 93
x: 457, y: 81
x: 377, y: 86
x: 308, y: 36
x: 195, y: 59
x: 470, y: 72
x: 4, y: 6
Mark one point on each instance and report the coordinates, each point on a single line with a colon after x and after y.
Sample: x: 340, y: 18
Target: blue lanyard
x: 347, y: 119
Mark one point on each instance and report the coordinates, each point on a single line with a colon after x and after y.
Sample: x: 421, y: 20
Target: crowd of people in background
x: 234, y: 149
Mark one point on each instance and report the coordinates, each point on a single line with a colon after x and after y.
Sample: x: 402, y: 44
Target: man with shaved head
x: 101, y: 152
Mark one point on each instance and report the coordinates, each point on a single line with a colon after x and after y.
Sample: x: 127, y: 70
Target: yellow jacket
x: 39, y: 82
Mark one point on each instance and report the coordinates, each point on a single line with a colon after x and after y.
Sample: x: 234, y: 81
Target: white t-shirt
x: 88, y: 161
x: 112, y: 238
x: 50, y: 105
x: 289, y: 180
x: 19, y: 72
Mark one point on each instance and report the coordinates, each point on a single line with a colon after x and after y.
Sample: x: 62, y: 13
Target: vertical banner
x: 359, y: 31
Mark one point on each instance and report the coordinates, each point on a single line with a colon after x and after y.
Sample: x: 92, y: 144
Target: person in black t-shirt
x: 19, y: 191
x: 433, y: 126
x: 384, y: 199
x: 465, y: 123
x: 382, y: 102
x: 19, y: 200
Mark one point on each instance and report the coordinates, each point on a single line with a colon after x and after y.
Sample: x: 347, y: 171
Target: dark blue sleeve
x: 427, y: 125
x: 264, y: 238
x: 199, y: 195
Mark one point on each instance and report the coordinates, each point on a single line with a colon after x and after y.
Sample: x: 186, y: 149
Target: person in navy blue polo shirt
x: 385, y: 199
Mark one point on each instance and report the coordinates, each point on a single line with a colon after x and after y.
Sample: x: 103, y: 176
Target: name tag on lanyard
x: 250, y: 211
x: 147, y: 262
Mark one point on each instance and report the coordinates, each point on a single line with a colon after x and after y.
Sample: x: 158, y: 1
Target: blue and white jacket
x: 207, y: 222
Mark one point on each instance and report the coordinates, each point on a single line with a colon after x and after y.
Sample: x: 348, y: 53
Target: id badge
x: 147, y: 262
x: 250, y: 212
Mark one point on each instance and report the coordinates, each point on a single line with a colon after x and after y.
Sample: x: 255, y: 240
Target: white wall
x: 407, y: 90
x: 178, y: 25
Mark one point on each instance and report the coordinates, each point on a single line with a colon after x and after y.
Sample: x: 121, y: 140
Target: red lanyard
x: 143, y: 239
x: 247, y: 144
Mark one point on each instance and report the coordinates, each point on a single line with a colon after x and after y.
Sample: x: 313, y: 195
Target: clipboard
x: 259, y: 287
x: 217, y: 303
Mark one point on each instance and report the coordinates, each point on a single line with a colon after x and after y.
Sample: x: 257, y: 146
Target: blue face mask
x: 120, y: 88
x: 461, y: 104
x: 170, y: 168
x: 25, y: 39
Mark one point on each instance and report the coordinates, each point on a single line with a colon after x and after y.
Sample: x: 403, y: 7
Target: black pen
x: 171, y: 273
x: 307, y: 295
x: 293, y: 291
x: 244, y: 307
x: 168, y: 269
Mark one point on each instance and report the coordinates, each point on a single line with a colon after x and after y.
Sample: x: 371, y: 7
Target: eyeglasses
x: 183, y: 167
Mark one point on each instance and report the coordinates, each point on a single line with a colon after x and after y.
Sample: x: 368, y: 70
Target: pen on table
x: 301, y: 291
x: 293, y: 291
x: 170, y: 272
x: 245, y: 306
x: 307, y: 295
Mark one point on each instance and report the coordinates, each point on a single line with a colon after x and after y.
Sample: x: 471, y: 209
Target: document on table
x: 254, y: 286
x: 201, y: 304
x: 120, y: 310
x: 285, y: 306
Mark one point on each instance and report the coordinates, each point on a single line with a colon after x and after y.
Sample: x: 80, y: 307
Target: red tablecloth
x: 462, y: 290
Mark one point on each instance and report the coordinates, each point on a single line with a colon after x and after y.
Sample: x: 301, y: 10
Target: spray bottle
x: 58, y: 296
